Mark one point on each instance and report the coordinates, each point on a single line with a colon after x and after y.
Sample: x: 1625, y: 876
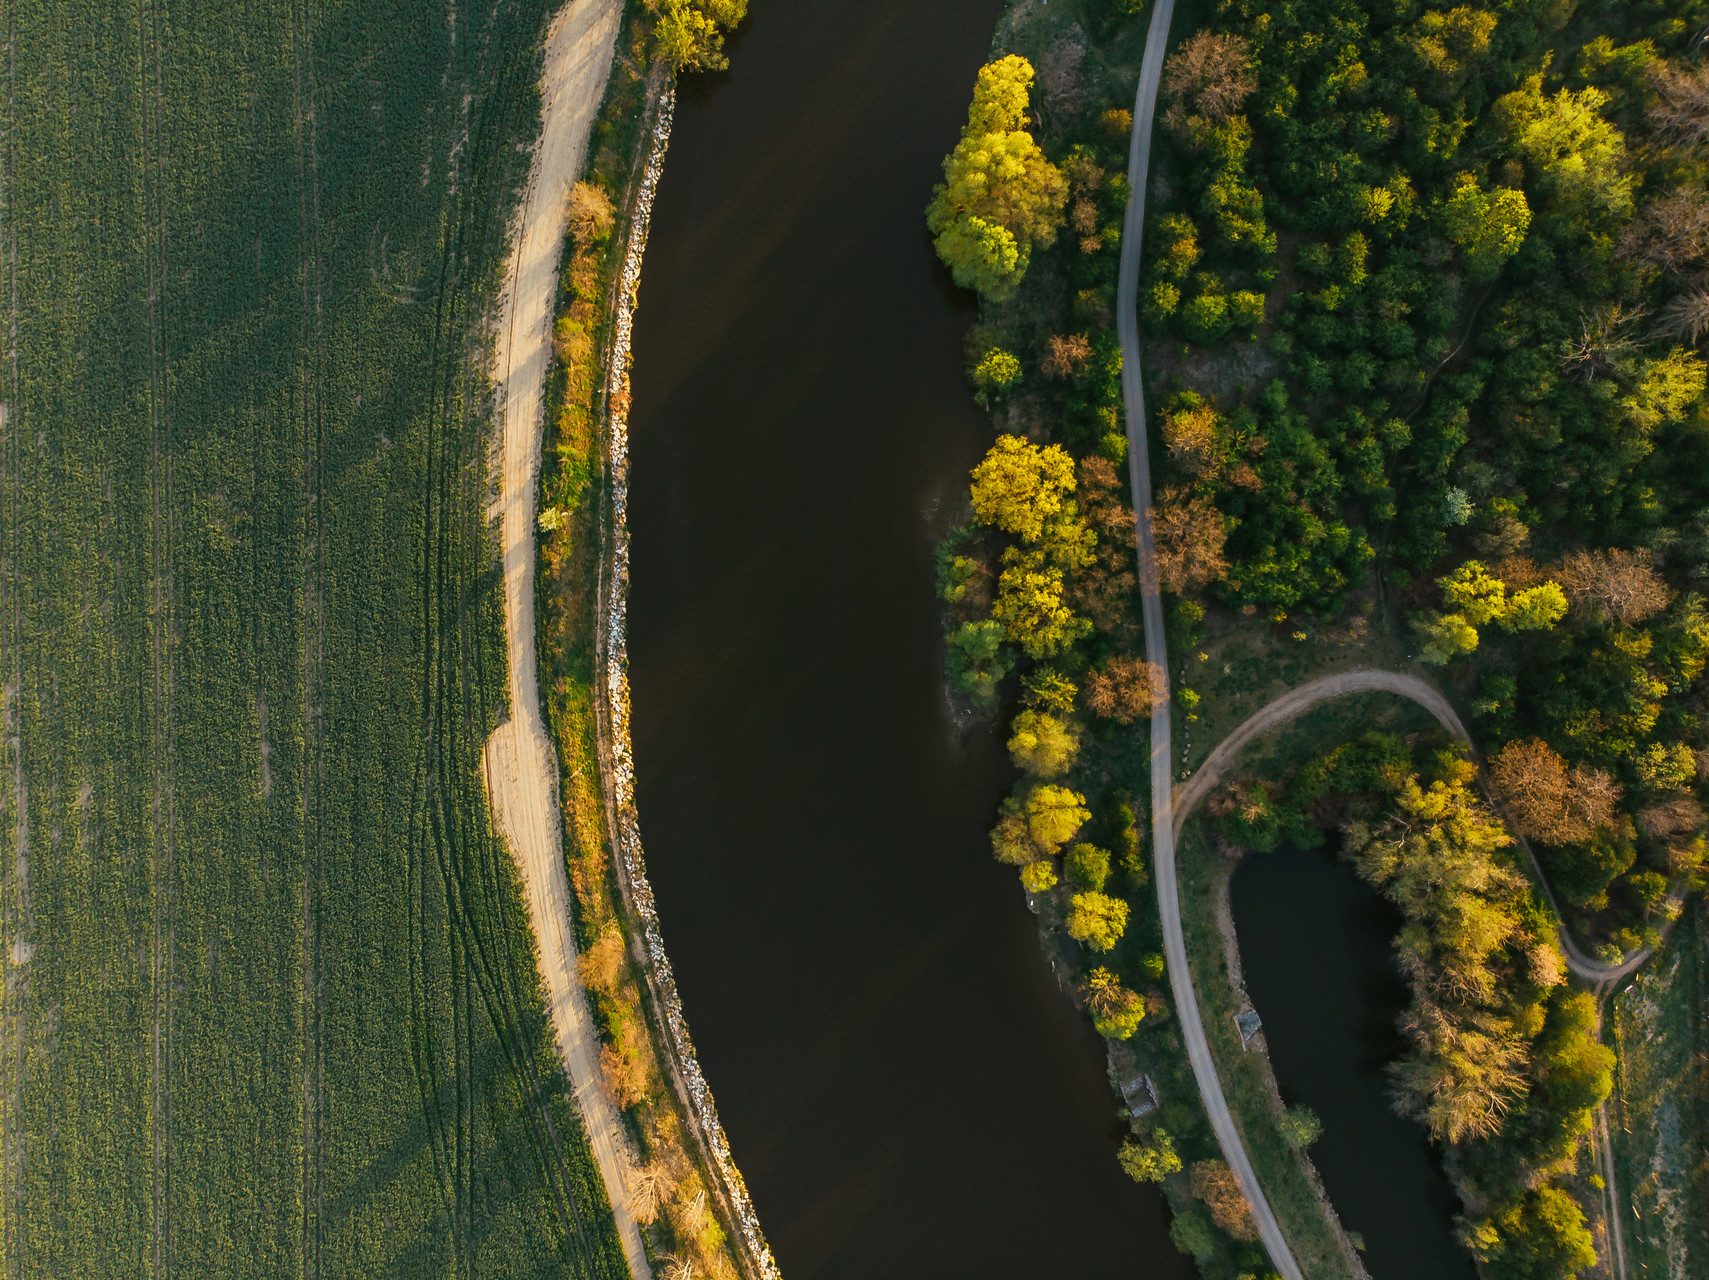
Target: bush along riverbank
x: 1039, y: 586
x: 685, y: 1190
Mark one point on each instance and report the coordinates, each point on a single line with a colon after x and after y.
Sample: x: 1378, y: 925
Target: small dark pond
x: 906, y: 1091
x: 1316, y: 943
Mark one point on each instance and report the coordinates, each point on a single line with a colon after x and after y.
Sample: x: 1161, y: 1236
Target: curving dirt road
x: 1156, y: 651
x: 1371, y: 680
x: 521, y: 766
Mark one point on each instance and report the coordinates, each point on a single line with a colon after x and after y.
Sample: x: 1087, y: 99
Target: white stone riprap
x: 621, y: 763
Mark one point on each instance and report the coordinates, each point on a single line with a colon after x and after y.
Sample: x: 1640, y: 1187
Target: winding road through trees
x: 1156, y: 651
x: 1370, y: 680
x: 1169, y: 812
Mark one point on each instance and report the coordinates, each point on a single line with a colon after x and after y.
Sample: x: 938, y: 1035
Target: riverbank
x: 1085, y: 65
x: 678, y: 1183
x: 1064, y: 289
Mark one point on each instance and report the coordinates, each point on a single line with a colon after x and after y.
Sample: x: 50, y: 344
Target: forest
x: 1425, y: 290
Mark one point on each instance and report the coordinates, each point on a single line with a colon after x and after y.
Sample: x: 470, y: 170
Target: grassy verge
x: 1290, y: 1183
x: 1658, y: 1120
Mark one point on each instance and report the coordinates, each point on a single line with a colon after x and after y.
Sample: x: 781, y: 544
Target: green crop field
x: 269, y: 1006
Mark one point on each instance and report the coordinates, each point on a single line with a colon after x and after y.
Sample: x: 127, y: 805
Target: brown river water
x: 907, y: 1092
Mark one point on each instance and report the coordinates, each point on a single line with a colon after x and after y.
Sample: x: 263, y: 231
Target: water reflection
x: 1316, y: 944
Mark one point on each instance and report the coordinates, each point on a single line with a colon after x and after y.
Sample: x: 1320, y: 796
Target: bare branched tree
x: 1616, y: 584
x: 1680, y: 111
x: 1686, y: 318
x: 1671, y: 817
x: 650, y: 1186
x: 1210, y: 76
x: 1605, y: 342
x: 1549, y: 801
x: 1125, y: 689
x: 1190, y: 535
x: 1065, y: 356
x: 1461, y: 1075
x: 1672, y: 232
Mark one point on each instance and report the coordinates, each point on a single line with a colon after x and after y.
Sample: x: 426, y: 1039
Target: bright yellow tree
x: 1000, y: 197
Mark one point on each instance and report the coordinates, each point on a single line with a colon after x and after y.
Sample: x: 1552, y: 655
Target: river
x: 904, y: 1087
x: 1317, y: 947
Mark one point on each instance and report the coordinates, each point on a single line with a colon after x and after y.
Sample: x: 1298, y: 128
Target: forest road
x: 521, y: 763
x: 1156, y: 651
x: 1295, y: 702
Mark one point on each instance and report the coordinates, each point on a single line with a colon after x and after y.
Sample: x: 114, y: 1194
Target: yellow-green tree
x: 689, y: 34
x: 1054, y: 814
x: 1024, y: 490
x: 1664, y: 390
x: 1000, y: 197
x: 1019, y: 486
x: 1578, y: 157
x: 1116, y: 1011
x: 1150, y: 1161
x: 1489, y: 226
x: 1041, y: 744
x: 1097, y: 919
x: 1451, y: 44
x: 1476, y: 598
x: 1031, y: 608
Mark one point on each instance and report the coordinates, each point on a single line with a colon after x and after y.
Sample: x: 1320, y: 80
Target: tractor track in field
x: 314, y: 649
x: 14, y: 906
x: 161, y: 622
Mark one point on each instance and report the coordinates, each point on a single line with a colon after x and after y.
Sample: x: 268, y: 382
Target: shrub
x: 1088, y: 866
x: 1299, y: 1127
x: 996, y: 372
x: 1152, y: 1160
x: 1192, y: 1235
x: 1097, y: 920
x: 1205, y: 319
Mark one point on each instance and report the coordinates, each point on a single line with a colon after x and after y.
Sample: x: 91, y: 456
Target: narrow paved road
x: 1371, y: 680
x: 1156, y: 651
x: 522, y: 768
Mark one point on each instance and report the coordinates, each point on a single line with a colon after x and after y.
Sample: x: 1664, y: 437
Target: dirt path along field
x: 522, y: 768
